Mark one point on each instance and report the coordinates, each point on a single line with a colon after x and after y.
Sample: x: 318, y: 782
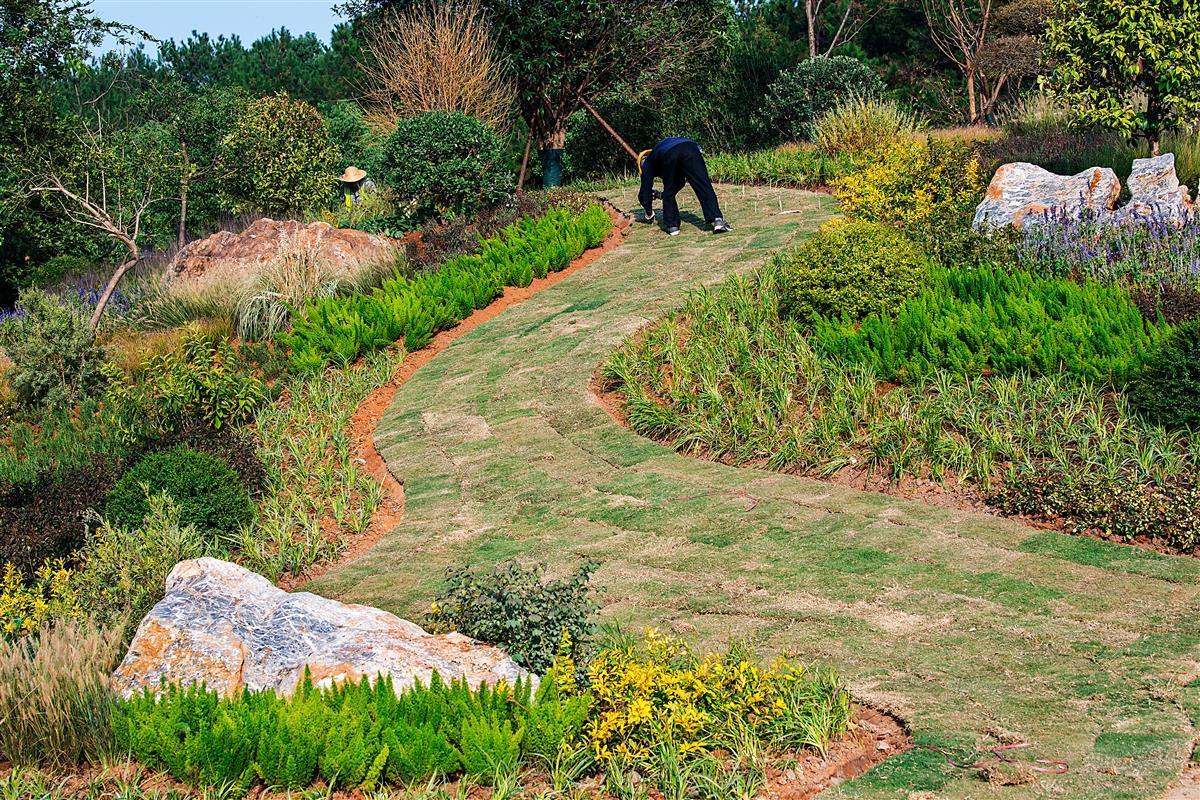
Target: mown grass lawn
x: 974, y: 629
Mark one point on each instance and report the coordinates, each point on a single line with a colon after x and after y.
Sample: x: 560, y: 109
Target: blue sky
x: 249, y: 19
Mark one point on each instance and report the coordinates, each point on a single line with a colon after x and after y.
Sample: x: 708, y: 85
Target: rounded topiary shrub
x: 849, y: 269
x: 278, y: 157
x: 447, y: 164
x: 208, y: 492
x: 806, y: 92
x: 1168, y: 388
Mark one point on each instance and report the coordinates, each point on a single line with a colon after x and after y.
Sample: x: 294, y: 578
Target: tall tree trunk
x: 810, y: 14
x: 111, y: 286
x: 183, y: 194
x: 972, y: 102
x: 550, y: 148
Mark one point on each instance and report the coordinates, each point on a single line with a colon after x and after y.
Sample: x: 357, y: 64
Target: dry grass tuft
x: 55, y: 700
x: 436, y: 56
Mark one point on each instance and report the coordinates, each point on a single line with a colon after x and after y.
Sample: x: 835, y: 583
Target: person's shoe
x: 672, y: 231
x: 720, y: 226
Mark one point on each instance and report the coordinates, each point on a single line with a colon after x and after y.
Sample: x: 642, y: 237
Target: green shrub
x: 205, y: 380
x: 815, y: 86
x: 123, y: 570
x: 849, y: 270
x: 278, y: 157
x: 209, y: 494
x: 356, y: 143
x: 557, y: 718
x: 447, y: 164
x: 55, y: 699
x: 56, y: 361
x: 353, y: 736
x: 1168, y: 389
x: 340, y: 329
x: 994, y: 322
x: 1095, y: 501
x: 514, y: 609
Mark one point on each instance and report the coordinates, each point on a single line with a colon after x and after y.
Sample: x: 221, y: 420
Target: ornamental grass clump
x: 55, y: 701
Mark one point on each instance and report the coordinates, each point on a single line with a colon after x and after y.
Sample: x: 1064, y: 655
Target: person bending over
x: 678, y: 160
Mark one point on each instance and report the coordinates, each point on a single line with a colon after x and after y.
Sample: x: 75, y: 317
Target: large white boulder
x: 1021, y: 192
x: 224, y: 626
x: 1155, y: 191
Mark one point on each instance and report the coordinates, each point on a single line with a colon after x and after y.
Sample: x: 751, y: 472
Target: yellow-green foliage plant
x: 654, y: 689
x: 26, y: 603
x: 55, y: 701
x: 928, y: 188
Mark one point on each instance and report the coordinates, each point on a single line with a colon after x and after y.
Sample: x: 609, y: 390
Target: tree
x: 108, y: 182
x: 825, y: 25
x: 279, y: 157
x: 436, y: 57
x: 563, y: 52
x: 1129, y: 65
x: 992, y: 42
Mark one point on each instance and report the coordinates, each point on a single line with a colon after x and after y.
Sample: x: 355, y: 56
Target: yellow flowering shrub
x: 659, y: 689
x: 929, y: 188
x: 26, y: 603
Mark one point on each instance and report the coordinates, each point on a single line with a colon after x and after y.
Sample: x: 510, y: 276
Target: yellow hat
x: 642, y: 158
x: 352, y: 175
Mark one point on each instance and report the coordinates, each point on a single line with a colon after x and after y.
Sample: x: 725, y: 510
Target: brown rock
x: 224, y: 626
x: 233, y: 259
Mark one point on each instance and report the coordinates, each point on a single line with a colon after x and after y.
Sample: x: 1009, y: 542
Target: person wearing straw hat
x: 678, y: 161
x: 354, y: 181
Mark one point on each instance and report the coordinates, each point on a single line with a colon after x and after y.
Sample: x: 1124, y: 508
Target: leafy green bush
x: 56, y: 361
x: 815, y: 86
x: 354, y: 736
x: 849, y: 270
x: 447, y: 164
x: 340, y: 329
x: 591, y: 153
x: 278, y: 157
x: 990, y: 321
x: 1168, y: 389
x: 356, y: 143
x: 209, y: 494
x: 205, y: 380
x: 514, y: 609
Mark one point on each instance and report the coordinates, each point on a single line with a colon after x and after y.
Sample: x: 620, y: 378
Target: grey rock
x: 1155, y: 190
x: 1023, y: 192
x: 225, y: 626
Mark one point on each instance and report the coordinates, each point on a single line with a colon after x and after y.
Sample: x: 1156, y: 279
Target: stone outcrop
x: 229, y: 628
x: 1022, y: 191
x: 1155, y: 190
x: 231, y: 259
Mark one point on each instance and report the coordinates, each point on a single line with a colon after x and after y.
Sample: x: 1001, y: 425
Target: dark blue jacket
x: 646, y: 195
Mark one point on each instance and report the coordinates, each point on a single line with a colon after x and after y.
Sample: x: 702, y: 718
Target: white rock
x: 1155, y: 190
x: 1021, y: 192
x: 229, y: 628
